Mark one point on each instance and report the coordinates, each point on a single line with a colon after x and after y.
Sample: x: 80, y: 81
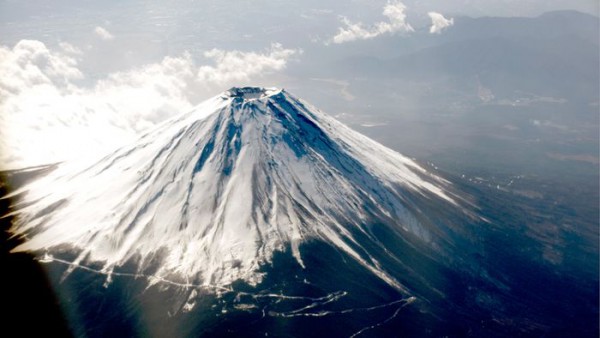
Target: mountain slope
x: 255, y: 214
x: 213, y: 193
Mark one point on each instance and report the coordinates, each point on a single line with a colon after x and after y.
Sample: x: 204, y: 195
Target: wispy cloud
x: 70, y: 49
x: 241, y: 66
x: 396, y: 22
x: 49, y: 116
x: 439, y: 22
x: 102, y: 33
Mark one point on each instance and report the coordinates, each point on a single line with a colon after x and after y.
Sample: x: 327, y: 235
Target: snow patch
x: 221, y: 188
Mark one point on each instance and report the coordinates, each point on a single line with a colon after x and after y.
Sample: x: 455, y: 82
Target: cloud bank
x: 48, y: 115
x: 439, y: 22
x: 396, y: 22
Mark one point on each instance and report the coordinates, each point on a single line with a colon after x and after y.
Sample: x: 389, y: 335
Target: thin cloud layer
x: 439, y: 22
x: 395, y: 13
x: 49, y: 116
x: 102, y: 33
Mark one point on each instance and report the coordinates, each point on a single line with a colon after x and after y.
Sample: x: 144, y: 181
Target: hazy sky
x: 504, y: 7
x: 84, y: 77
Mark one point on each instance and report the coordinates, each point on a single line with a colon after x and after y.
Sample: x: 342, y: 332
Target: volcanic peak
x: 250, y: 93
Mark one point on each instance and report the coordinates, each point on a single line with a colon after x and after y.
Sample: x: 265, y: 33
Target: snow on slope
x: 213, y: 193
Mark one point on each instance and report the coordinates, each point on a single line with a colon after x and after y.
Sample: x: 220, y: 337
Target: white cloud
x: 70, y: 49
x: 30, y: 64
x: 102, y: 33
x: 395, y: 13
x: 241, y: 66
x: 48, y: 116
x: 439, y: 22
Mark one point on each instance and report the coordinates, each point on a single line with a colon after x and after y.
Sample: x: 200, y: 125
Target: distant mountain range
x: 555, y: 54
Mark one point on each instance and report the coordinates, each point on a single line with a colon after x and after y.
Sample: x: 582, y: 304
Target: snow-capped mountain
x: 210, y: 195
